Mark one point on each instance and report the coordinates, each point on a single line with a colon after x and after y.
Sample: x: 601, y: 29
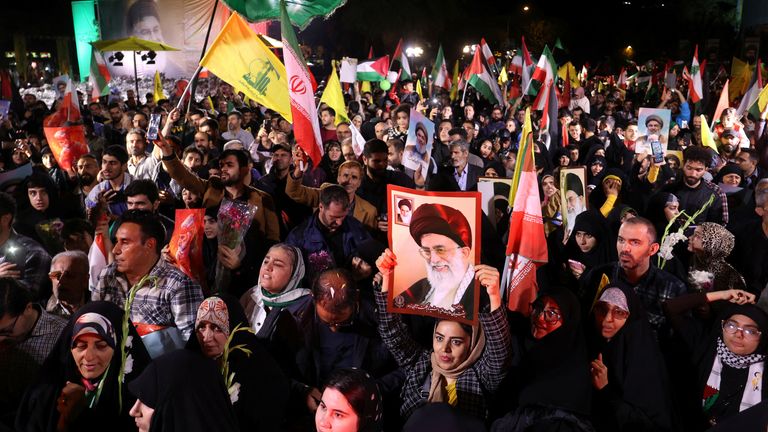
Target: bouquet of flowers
x: 234, y: 219
x: 669, y: 240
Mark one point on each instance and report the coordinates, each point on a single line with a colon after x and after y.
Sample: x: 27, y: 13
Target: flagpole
x: 189, y: 84
x: 136, y: 78
x: 202, y: 54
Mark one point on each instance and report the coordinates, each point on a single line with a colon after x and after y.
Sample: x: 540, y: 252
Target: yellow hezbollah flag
x: 241, y: 59
x: 568, y: 71
x: 706, y: 135
x: 334, y: 98
x: 455, y: 81
x: 741, y: 74
x: 158, y: 92
x: 503, y: 78
x: 762, y: 99
x: 418, y: 89
x: 365, y: 87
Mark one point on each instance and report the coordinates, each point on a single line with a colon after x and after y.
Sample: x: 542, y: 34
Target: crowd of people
x: 630, y: 330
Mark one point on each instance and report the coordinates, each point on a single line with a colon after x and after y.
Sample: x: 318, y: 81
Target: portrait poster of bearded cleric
x: 573, y: 195
x: 437, y: 253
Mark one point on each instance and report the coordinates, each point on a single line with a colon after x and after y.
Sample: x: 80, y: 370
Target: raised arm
x: 177, y: 170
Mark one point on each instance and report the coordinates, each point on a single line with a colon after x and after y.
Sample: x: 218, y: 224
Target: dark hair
x: 458, y: 131
x: 240, y: 155
x: 397, y: 143
x: 752, y: 153
x: 374, y: 146
x: 339, y: 297
x: 76, y: 226
x: 698, y: 154
x: 148, y: 223
x: 141, y: 113
x: 7, y: 204
x: 403, y: 107
x: 564, y: 112
x: 211, y: 123
x: 14, y: 297
x: 334, y: 193
x: 117, y: 152
x: 329, y: 109
x: 357, y: 387
x: 638, y: 220
x: 192, y: 149
x: 40, y: 179
x: 196, y: 111
x: 143, y: 187
x: 139, y: 10
x: 114, y: 105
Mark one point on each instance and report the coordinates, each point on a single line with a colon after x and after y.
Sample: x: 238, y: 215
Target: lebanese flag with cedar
x: 306, y: 125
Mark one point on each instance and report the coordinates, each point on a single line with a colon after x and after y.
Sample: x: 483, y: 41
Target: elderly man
x: 461, y: 176
x: 69, y: 277
x: 653, y: 127
x: 445, y: 242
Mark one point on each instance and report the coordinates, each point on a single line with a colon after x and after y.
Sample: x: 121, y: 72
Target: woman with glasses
x: 551, y: 384
x: 629, y: 378
x: 728, y: 352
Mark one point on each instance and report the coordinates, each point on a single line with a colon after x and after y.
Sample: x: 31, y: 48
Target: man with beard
x: 235, y: 131
x: 115, y: 179
x: 264, y: 230
x: 653, y: 126
x: 330, y: 236
x: 274, y: 183
x: 114, y: 131
x: 349, y: 177
x: 461, y: 175
x: 575, y: 203
x: 694, y: 191
x: 374, y: 186
x: 729, y: 146
x: 445, y: 242
x: 87, y: 169
x: 141, y: 164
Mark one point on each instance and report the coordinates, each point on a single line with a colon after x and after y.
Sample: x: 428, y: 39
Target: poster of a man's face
x: 572, y: 181
x: 404, y: 210
x: 418, y: 145
x: 437, y: 252
x: 652, y: 125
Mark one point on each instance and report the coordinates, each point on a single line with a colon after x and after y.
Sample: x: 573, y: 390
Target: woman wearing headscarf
x: 728, y: 352
x: 331, y: 160
x: 278, y: 289
x: 256, y: 385
x: 629, y: 378
x: 553, y: 377
x: 465, y: 365
x: 588, y: 246
x: 181, y: 391
x: 351, y: 402
x: 81, y: 384
x: 550, y: 203
x: 711, y: 244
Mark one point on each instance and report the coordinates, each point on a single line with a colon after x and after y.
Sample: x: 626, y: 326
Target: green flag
x: 559, y: 45
x: 300, y: 11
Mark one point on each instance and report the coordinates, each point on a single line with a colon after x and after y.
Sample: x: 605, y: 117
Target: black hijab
x: 262, y: 388
x: 187, y: 393
x: 555, y: 369
x: 593, y: 223
x: 38, y: 410
x: 636, y: 370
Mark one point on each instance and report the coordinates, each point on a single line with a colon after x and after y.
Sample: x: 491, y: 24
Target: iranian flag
x: 722, y: 103
x: 527, y: 65
x: 99, y: 77
x: 527, y: 246
x: 622, y: 81
x: 373, y: 70
x: 97, y: 259
x: 479, y: 77
x: 306, y: 126
x: 695, y: 89
x: 543, y: 73
x: 440, y: 76
x: 405, y: 70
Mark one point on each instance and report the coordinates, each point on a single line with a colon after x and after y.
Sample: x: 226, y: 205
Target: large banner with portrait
x: 436, y: 239
x: 181, y: 24
x: 652, y: 126
x: 573, y: 182
x: 418, y: 145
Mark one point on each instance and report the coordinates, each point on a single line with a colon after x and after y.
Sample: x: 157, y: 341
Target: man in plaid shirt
x: 168, y: 298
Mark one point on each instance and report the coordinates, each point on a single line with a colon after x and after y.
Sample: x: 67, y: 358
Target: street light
x: 414, y: 51
x: 526, y: 8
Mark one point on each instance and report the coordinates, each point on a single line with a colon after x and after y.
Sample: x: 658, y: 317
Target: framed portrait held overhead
x: 437, y: 250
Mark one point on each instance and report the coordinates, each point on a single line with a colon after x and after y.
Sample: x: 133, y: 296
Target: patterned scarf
x: 263, y: 299
x: 753, y: 388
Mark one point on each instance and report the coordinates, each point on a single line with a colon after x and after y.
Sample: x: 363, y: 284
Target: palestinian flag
x: 488, y: 55
x: 440, y: 76
x: 373, y: 70
x: 695, y: 91
x: 306, y: 125
x: 404, y: 71
x: 527, y: 66
x: 479, y: 77
x: 99, y: 77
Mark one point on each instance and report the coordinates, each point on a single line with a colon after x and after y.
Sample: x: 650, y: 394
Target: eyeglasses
x: 58, y: 275
x: 605, y: 309
x: 731, y: 327
x: 8, y: 330
x: 550, y: 315
x: 441, y: 251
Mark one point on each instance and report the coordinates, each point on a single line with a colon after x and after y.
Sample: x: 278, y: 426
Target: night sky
x: 590, y: 30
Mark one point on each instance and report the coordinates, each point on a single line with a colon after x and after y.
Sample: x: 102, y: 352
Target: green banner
x: 86, y: 31
x: 300, y: 11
